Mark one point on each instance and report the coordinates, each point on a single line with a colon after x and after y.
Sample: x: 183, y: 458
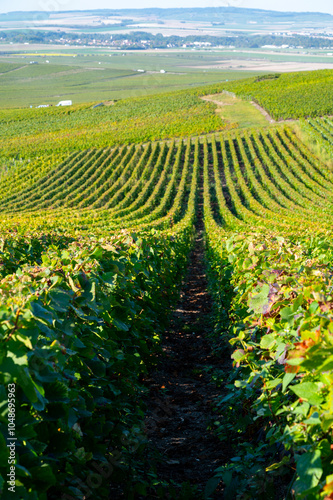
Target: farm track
x: 181, y: 396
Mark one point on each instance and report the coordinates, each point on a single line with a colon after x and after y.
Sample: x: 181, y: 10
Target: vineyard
x: 285, y: 96
x: 34, y: 133
x: 94, y: 249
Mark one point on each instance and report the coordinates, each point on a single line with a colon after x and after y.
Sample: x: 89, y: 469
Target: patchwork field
x: 99, y: 74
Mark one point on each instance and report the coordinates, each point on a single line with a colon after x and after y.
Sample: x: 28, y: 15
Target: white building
x: 64, y: 103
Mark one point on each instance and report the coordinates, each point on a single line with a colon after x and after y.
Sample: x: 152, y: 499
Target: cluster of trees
x: 134, y: 39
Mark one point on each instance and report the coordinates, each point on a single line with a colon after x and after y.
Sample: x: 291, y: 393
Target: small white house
x: 64, y: 103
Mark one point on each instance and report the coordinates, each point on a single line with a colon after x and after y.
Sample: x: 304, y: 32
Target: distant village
x: 143, y: 41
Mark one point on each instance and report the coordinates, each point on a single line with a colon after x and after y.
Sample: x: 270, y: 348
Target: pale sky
x: 56, y: 5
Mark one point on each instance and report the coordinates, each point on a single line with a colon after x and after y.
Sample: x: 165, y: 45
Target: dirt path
x: 263, y: 112
x: 15, y: 69
x: 182, y: 398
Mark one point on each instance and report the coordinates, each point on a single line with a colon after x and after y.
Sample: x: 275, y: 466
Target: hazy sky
x: 53, y: 5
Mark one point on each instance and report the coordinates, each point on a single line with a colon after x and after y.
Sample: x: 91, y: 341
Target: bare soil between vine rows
x: 181, y: 397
